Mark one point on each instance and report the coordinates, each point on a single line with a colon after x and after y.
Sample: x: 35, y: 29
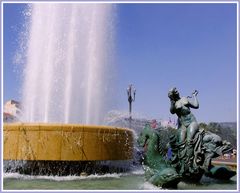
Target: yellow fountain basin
x: 66, y: 142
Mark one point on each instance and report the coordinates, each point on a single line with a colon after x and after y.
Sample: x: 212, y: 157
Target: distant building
x: 8, y: 118
x: 11, y: 111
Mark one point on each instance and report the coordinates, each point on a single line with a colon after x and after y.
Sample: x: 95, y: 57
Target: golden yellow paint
x: 66, y: 142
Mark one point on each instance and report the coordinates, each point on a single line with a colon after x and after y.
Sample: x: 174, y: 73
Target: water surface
x: 128, y: 181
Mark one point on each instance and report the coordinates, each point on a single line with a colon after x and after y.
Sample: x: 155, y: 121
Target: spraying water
x: 69, y: 62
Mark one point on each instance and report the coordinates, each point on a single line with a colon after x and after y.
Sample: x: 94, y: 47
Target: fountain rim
x: 57, y: 126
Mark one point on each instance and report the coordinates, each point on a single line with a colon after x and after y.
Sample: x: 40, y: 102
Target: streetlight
x: 131, y: 91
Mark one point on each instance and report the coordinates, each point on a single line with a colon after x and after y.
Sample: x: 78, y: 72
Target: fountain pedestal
x: 66, y: 142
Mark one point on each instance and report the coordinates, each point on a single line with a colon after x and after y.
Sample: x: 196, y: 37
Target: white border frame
x: 121, y: 2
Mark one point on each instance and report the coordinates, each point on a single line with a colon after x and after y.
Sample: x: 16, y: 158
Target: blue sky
x: 158, y: 46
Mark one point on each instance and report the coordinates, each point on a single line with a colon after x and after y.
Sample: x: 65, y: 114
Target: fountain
x: 66, y: 88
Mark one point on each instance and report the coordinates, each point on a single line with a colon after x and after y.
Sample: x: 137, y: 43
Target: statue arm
x: 194, y: 102
x: 172, y: 107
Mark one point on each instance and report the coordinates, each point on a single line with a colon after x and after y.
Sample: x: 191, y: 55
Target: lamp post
x: 131, y: 92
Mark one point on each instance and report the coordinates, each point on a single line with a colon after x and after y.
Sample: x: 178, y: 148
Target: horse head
x: 153, y: 140
x: 148, y: 138
x: 157, y: 170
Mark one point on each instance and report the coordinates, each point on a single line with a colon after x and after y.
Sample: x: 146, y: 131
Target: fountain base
x: 68, y: 145
x: 64, y: 168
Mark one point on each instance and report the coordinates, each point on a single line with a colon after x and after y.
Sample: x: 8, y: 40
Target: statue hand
x: 195, y: 93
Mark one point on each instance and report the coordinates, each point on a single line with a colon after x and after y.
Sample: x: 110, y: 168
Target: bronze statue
x: 187, y: 123
x: 192, y: 148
